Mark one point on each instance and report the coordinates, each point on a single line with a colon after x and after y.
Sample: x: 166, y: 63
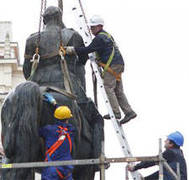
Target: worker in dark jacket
x: 58, y: 141
x: 173, y: 154
x: 110, y: 58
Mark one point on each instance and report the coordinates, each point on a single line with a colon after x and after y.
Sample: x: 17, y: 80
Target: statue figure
x: 24, y: 110
x: 48, y: 42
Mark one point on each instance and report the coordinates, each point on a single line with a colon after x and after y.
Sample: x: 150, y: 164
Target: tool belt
x: 111, y: 71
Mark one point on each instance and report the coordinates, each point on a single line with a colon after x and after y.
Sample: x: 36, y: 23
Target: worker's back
x: 51, y: 134
x: 178, y: 158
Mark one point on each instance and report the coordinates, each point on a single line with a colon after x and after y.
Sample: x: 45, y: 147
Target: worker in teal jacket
x: 58, y: 142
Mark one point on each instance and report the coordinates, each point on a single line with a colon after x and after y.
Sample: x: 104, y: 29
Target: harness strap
x: 61, y: 175
x: 56, y: 89
x: 58, y: 143
x: 68, y: 84
x: 70, y: 142
x: 111, y: 55
x: 111, y: 71
x: 54, y: 147
x: 65, y: 72
x: 50, y: 55
x: 35, y: 61
x: 69, y: 138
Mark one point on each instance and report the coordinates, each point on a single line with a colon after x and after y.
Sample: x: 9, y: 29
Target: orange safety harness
x: 63, y: 132
x: 106, y: 66
x: 111, y: 71
x: 61, y: 176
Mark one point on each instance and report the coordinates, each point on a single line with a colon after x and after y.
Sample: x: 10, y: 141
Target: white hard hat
x: 96, y: 20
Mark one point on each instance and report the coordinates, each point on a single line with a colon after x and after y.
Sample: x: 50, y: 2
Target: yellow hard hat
x: 62, y: 112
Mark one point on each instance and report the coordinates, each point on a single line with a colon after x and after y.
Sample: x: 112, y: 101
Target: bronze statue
x: 24, y: 110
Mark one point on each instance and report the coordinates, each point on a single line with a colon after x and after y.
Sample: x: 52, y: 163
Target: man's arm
x: 144, y: 164
x: 167, y: 154
x: 77, y: 42
x: 96, y: 44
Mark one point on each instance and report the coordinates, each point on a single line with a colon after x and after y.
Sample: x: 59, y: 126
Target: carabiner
x: 35, y: 57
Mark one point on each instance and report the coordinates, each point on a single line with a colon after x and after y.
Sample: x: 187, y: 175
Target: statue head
x: 52, y: 14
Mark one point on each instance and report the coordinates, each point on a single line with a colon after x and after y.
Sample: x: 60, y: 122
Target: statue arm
x: 29, y: 52
x: 27, y: 68
x: 77, y: 41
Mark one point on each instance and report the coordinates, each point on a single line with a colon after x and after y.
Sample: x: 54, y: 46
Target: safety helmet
x: 95, y: 21
x: 52, y: 12
x: 62, y: 112
x: 177, y: 138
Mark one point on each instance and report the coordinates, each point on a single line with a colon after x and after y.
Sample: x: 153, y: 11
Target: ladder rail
x: 84, y: 30
x: 118, y: 128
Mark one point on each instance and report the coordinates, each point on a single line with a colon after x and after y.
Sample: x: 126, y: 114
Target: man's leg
x: 121, y: 97
x: 122, y: 100
x: 110, y: 85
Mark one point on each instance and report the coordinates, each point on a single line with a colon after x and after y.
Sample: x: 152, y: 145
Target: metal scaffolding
x: 102, y: 161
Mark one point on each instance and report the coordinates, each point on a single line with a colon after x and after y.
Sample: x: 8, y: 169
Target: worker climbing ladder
x: 85, y: 32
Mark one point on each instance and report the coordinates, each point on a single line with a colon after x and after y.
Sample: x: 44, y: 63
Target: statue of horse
x: 24, y: 110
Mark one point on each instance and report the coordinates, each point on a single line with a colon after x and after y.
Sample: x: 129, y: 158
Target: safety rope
x: 62, y: 53
x: 35, y: 61
x: 64, y: 68
x: 39, y: 30
x: 68, y: 84
x: 60, y: 5
x: 45, y: 7
x: 93, y: 74
x: 85, y: 18
x: 63, y: 63
x: 36, y: 56
x: 66, y: 77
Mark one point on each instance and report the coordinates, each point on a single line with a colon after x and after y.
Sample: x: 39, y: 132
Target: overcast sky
x: 153, y: 36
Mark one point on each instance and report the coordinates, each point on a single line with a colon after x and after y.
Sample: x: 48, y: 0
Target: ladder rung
x: 118, y: 128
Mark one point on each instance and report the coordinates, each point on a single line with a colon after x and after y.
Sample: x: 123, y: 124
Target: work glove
x: 70, y: 50
x: 49, y: 98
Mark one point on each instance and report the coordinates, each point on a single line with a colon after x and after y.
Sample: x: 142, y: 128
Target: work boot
x: 128, y: 117
x: 117, y: 116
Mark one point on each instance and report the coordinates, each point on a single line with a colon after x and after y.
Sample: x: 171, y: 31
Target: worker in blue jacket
x: 111, y: 60
x: 58, y: 141
x: 173, y: 154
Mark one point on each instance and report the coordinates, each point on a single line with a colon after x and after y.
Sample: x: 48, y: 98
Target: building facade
x: 11, y: 73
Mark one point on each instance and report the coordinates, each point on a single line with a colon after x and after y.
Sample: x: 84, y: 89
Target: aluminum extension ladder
x: 79, y: 14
